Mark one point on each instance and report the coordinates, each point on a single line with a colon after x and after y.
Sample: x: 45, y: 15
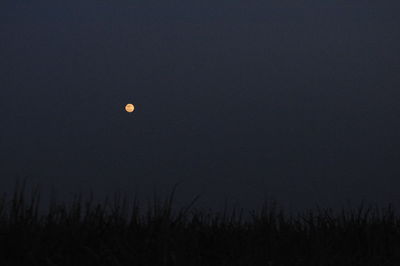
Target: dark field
x: 119, y: 232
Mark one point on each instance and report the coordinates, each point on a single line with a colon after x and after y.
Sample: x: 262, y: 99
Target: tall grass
x: 119, y: 232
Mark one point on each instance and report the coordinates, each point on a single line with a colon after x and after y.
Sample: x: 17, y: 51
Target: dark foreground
x: 117, y: 233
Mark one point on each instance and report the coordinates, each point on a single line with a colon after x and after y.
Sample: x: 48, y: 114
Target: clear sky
x: 236, y: 100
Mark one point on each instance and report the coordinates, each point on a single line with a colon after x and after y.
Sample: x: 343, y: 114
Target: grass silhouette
x: 119, y: 232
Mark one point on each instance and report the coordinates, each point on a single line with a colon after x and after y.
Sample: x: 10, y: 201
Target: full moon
x: 129, y: 108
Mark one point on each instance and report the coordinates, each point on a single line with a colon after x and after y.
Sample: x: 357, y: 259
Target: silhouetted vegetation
x: 116, y: 232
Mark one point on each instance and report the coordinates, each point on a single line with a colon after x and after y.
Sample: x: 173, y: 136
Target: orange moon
x: 129, y: 108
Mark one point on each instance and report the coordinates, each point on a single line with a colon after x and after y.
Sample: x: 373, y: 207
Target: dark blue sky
x: 235, y: 99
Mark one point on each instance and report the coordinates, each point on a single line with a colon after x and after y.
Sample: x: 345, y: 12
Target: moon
x: 130, y: 108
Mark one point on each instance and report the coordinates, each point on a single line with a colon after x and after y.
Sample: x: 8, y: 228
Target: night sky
x: 235, y: 100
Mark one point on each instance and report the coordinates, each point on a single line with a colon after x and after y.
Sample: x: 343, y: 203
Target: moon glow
x: 129, y: 108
